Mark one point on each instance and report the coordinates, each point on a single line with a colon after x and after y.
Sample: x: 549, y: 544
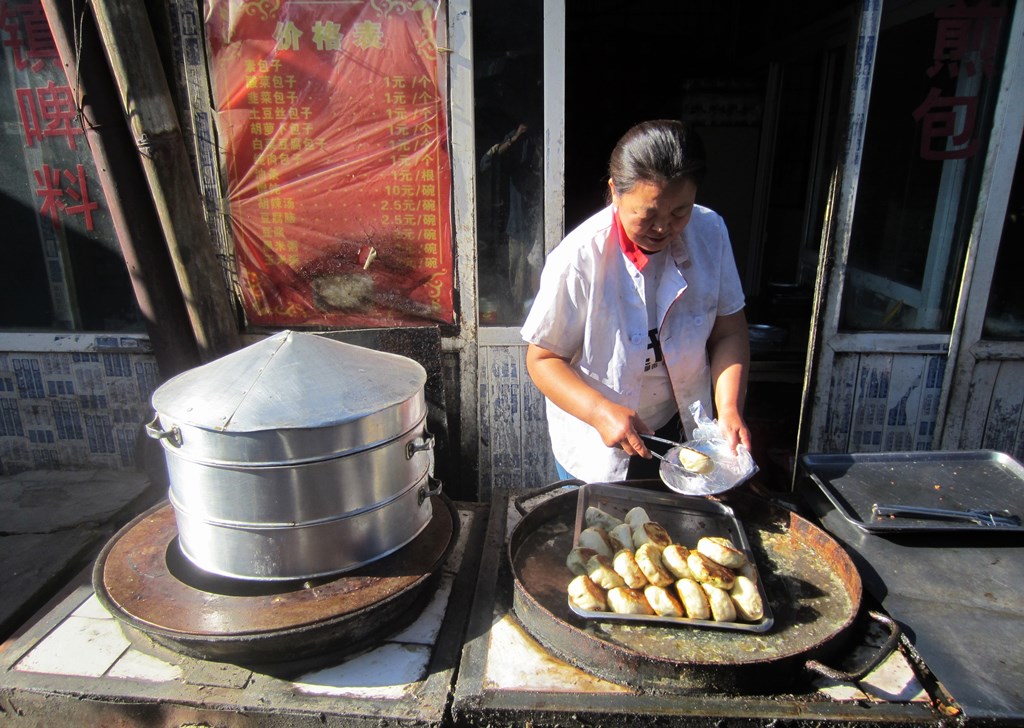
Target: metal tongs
x: 663, y: 441
x: 671, y: 443
x: 979, y: 516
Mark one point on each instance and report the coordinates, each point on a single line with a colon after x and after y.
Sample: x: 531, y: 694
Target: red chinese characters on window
x: 27, y: 34
x: 65, y: 192
x: 966, y: 41
x: 947, y: 126
x: 47, y: 113
x: 338, y: 176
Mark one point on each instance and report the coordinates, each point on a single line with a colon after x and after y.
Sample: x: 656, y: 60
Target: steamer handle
x: 884, y: 650
x: 412, y: 447
x: 173, y: 436
x: 520, y: 500
x: 424, y: 493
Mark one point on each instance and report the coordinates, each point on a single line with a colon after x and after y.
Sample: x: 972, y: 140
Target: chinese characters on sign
x: 47, y: 113
x: 966, y: 40
x: 337, y: 175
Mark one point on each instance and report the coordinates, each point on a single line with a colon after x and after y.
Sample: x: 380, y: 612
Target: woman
x: 640, y: 314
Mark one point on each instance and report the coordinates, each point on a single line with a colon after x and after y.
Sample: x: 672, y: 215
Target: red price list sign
x: 331, y: 122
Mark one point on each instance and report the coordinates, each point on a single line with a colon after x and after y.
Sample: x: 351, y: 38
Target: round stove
x: 144, y: 580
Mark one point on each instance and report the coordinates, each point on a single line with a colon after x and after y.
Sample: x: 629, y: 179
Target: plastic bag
x: 730, y: 469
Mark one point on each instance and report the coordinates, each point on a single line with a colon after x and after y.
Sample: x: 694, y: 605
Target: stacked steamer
x: 296, y: 457
x: 634, y: 566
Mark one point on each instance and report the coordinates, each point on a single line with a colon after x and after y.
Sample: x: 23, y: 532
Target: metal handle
x: 520, y: 500
x: 662, y: 440
x: 425, y: 493
x: 978, y: 516
x: 173, y: 436
x: 664, y: 459
x: 658, y: 455
x: 884, y: 650
x: 412, y: 447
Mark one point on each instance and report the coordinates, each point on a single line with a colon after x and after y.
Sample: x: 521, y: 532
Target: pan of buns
x: 662, y: 591
x: 698, y: 571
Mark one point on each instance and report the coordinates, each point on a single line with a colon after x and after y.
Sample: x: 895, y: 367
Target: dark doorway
x: 763, y: 84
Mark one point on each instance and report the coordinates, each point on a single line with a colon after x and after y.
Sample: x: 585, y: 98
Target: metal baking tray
x: 956, y: 480
x: 686, y: 518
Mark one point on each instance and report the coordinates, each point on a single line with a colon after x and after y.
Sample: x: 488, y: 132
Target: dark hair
x: 659, y: 151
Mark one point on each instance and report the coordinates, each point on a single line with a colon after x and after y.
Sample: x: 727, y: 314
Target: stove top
x: 74, y: 665
x: 506, y: 673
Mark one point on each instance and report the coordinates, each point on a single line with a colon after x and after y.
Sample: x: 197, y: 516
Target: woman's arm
x: 559, y: 382
x: 729, y: 353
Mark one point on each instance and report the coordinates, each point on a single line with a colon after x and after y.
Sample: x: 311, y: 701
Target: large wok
x: 811, y: 584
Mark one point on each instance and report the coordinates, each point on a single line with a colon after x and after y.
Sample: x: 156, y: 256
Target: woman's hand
x: 734, y: 429
x: 618, y: 426
x: 729, y: 350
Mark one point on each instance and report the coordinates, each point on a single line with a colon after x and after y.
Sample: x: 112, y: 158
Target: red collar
x: 630, y: 249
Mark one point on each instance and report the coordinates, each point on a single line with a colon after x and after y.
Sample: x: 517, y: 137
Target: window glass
x: 507, y: 41
x: 933, y: 89
x: 808, y: 114
x: 1004, y: 318
x: 62, y: 265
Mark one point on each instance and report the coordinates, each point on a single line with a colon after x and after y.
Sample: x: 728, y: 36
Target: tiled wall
x: 515, y: 450
x: 73, y: 410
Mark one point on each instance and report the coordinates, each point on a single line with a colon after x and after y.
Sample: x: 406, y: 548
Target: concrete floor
x: 52, y: 525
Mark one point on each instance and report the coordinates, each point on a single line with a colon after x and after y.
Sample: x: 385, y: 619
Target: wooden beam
x: 145, y: 97
x: 124, y: 186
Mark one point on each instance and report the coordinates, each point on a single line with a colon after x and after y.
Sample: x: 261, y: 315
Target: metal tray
x: 972, y: 479
x: 686, y: 518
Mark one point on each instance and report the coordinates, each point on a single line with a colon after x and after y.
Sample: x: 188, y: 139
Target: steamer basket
x: 285, y: 436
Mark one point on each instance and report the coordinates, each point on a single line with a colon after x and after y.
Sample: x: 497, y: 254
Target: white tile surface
x: 426, y: 627
x: 387, y: 672
x: 92, y: 608
x: 838, y: 691
x: 515, y: 661
x: 80, y: 646
x: 135, y: 665
x: 895, y: 680
x: 454, y: 562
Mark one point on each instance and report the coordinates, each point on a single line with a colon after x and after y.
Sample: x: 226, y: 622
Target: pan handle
x: 520, y: 500
x: 884, y: 650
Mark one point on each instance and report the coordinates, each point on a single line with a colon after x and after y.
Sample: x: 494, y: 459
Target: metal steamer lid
x: 290, y: 380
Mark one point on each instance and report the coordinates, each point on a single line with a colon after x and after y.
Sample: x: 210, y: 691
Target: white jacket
x: 591, y: 309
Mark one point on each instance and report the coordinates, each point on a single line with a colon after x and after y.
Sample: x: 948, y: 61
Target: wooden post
x: 124, y: 186
x: 146, y: 101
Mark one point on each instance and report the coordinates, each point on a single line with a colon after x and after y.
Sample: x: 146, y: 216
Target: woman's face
x: 653, y: 214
